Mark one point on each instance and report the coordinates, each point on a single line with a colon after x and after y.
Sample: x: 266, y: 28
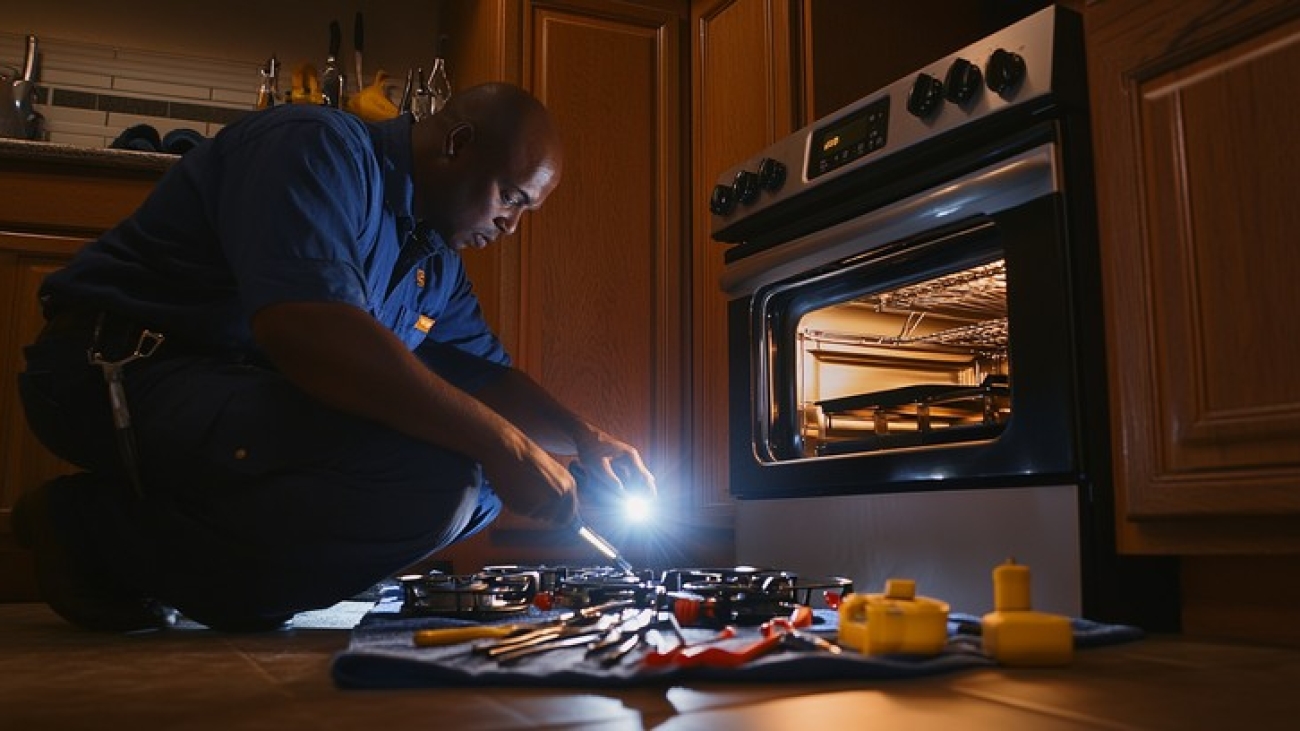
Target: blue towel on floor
x: 382, y: 654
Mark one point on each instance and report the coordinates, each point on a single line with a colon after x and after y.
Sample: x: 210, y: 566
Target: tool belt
x: 115, y: 331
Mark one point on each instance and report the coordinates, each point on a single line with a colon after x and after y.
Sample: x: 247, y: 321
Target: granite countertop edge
x: 54, y: 152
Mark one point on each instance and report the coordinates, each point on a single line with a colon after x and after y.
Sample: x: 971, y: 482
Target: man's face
x: 485, y: 190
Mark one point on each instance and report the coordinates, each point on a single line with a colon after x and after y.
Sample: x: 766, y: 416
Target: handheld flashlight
x: 634, y: 504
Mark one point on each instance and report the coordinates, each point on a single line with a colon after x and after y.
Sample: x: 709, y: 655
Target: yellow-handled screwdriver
x: 457, y: 635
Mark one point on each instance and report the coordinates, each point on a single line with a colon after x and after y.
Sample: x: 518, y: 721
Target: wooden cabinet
x: 590, y: 297
x: 745, y: 73
x: 51, y: 203
x: 1198, y: 162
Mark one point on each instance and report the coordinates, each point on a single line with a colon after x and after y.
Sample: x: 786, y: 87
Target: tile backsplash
x: 89, y: 94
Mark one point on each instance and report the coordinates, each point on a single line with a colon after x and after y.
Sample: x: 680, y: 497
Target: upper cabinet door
x: 590, y: 296
x: 600, y: 267
x: 1198, y: 164
x: 744, y: 77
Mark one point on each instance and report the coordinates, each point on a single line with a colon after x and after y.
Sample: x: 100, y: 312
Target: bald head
x: 490, y: 154
x: 505, y: 115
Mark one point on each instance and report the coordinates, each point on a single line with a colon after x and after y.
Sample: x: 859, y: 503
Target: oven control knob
x: 771, y: 174
x: 1004, y: 72
x: 746, y: 185
x: 961, y: 83
x: 723, y: 200
x: 925, y: 97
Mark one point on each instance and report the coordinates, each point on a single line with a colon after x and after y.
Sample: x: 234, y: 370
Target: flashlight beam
x: 605, y: 547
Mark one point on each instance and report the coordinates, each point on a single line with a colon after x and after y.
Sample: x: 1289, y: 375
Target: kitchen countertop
x: 57, y: 677
x: 13, y: 150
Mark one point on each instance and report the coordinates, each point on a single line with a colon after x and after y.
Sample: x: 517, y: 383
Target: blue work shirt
x: 299, y: 203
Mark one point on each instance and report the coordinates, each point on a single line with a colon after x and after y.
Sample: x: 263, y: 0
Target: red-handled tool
x: 721, y: 656
x: 790, y: 629
x: 802, y: 616
x: 661, y: 658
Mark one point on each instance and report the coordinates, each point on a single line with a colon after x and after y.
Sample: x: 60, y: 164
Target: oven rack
x: 979, y: 292
x: 988, y: 335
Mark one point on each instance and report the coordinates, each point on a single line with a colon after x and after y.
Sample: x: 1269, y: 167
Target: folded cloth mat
x: 382, y: 654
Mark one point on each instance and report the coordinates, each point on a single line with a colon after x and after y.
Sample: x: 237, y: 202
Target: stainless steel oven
x: 915, y: 330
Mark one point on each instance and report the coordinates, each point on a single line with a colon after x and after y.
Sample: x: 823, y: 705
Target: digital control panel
x: 1009, y: 68
x: 845, y: 140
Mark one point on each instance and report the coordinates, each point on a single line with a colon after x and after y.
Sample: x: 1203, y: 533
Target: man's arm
x: 339, y: 355
x: 559, y: 430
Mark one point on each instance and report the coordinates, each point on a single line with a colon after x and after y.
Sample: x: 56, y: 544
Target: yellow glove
x: 306, y: 86
x: 371, y: 103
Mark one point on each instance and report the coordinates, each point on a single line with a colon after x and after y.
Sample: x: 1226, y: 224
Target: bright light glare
x: 637, y: 509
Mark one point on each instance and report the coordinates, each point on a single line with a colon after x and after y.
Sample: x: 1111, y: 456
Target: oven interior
x: 904, y: 349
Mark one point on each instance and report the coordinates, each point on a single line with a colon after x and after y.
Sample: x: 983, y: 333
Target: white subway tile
x: 75, y: 78
x: 56, y: 123
x: 154, y: 89
x: 242, y: 98
x: 78, y: 140
x: 74, y: 116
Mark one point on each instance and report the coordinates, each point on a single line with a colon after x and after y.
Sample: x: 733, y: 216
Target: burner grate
x: 697, y: 597
x: 477, y: 596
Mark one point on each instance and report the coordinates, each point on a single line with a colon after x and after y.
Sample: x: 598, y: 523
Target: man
x: 314, y: 400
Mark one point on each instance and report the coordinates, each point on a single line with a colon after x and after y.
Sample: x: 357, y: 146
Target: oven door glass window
x: 905, y: 348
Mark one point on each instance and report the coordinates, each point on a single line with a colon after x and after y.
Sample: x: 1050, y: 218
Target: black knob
x: 746, y: 185
x: 723, y: 200
x: 961, y: 83
x: 771, y: 174
x: 926, y: 94
x: 1004, y: 72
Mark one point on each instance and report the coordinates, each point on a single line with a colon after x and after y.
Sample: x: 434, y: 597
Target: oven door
x: 927, y: 344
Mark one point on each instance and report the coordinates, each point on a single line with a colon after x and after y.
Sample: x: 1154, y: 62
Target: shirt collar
x: 392, y: 139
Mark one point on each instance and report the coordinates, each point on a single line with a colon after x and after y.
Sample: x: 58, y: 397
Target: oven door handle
x: 991, y: 190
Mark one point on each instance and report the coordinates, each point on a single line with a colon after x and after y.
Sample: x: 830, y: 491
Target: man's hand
x: 531, y: 483
x: 612, y: 461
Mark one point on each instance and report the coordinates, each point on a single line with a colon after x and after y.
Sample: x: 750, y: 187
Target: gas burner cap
x: 477, y: 596
x: 745, y: 594
x: 578, y: 587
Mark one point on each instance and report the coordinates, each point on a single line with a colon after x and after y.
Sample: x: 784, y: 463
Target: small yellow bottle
x: 1014, y: 634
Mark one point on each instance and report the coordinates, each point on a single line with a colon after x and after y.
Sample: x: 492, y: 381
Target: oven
x: 915, y: 338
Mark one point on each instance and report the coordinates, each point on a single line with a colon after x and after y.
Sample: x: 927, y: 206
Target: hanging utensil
x: 333, y: 80
x: 24, y: 93
x: 439, y: 84
x: 358, y: 46
x: 408, y: 94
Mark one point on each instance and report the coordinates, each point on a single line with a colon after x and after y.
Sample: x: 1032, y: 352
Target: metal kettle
x: 18, y: 115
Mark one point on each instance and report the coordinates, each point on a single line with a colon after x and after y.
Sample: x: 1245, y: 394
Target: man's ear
x: 459, y: 136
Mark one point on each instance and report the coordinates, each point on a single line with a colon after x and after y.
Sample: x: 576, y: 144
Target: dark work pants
x: 258, y: 502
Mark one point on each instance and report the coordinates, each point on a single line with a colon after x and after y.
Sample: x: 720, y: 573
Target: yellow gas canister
x: 897, y: 622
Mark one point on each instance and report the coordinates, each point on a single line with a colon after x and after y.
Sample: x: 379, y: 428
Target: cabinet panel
x: 1222, y: 239
x: 589, y: 297
x: 24, y: 463
x: 744, y: 76
x: 595, y: 262
x: 52, y: 201
x: 1197, y: 164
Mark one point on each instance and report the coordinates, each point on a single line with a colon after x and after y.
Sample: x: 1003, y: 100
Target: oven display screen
x: 848, y: 139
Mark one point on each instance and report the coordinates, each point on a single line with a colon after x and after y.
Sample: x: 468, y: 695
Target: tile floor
x: 53, y: 676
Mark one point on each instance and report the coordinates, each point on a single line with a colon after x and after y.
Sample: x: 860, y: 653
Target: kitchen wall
x: 108, y: 66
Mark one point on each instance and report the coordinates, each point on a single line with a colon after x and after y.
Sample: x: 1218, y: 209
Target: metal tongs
x: 585, y: 624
